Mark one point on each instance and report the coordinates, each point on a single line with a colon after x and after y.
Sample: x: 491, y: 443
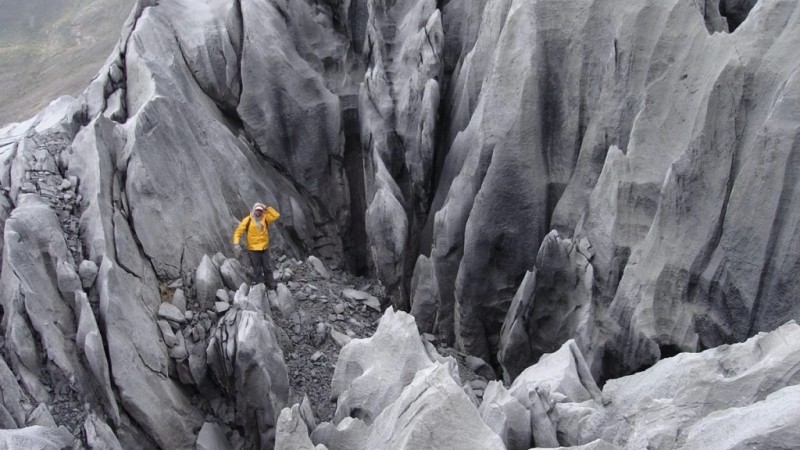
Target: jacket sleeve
x: 271, y: 215
x: 237, y: 234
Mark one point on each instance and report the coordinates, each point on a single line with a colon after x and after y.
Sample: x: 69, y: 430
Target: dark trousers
x: 262, y: 267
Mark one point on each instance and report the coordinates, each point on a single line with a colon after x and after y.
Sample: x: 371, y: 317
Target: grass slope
x: 50, y: 48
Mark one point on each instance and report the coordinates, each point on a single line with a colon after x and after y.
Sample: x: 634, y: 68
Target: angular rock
x: 506, y: 416
x: 256, y: 300
x: 679, y: 392
x: 341, y: 339
x: 318, y: 266
x: 221, y: 307
x: 560, y: 377
x: 373, y: 303
x: 166, y: 332
x: 291, y: 431
x: 115, y: 106
x: 425, y: 302
x: 433, y: 400
x: 307, y: 413
x: 352, y: 294
x: 770, y: 423
x: 89, y: 339
x: 349, y: 434
x: 41, y: 416
x: 207, y: 282
x: 34, y: 248
x: 244, y: 357
x: 218, y: 259
x: 222, y: 296
x: 196, y: 349
x: 179, y: 300
x: 145, y: 390
x: 12, y: 397
x: 128, y: 296
x: 88, y: 272
x: 212, y: 437
x: 564, y: 373
x: 37, y: 437
x: 480, y: 367
x: 371, y: 373
x: 170, y: 312
x: 553, y: 304
x: 284, y: 300
x: 179, y: 352
x: 99, y: 435
x: 233, y: 273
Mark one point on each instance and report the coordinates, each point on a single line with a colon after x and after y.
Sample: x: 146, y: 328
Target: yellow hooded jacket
x: 256, y: 240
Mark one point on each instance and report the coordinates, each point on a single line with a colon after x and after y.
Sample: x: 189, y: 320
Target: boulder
x: 480, y: 367
x: 41, y: 416
x: 207, y: 282
x: 291, y: 432
x: 221, y: 307
x: 284, y: 300
x: 212, y: 437
x: 349, y: 434
x: 139, y: 360
x: 88, y: 272
x: 12, y: 398
x: 559, y: 377
x: 432, y: 401
x: 222, y: 296
x: 552, y: 304
x: 770, y: 423
x: 244, y: 357
x: 233, y: 273
x: 99, y: 435
x: 387, y: 229
x: 371, y: 373
x: 37, y: 437
x: 179, y: 300
x: 166, y: 332
x: 720, y: 385
x: 506, y: 416
x: 341, y: 339
x: 424, y: 295
x: 318, y: 266
x: 563, y: 374
x: 171, y: 312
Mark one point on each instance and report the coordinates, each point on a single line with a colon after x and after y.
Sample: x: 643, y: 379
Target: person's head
x: 258, y: 209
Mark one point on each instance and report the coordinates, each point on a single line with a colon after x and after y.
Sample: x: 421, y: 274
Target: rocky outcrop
x: 245, y: 358
x: 398, y: 104
x: 506, y: 416
x: 594, y: 185
x: 37, y: 437
x: 667, y: 405
x: 602, y: 166
x: 371, y: 373
x: 396, y: 390
x: 560, y: 286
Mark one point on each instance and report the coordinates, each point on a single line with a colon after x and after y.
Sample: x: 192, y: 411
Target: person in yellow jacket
x: 255, y: 228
